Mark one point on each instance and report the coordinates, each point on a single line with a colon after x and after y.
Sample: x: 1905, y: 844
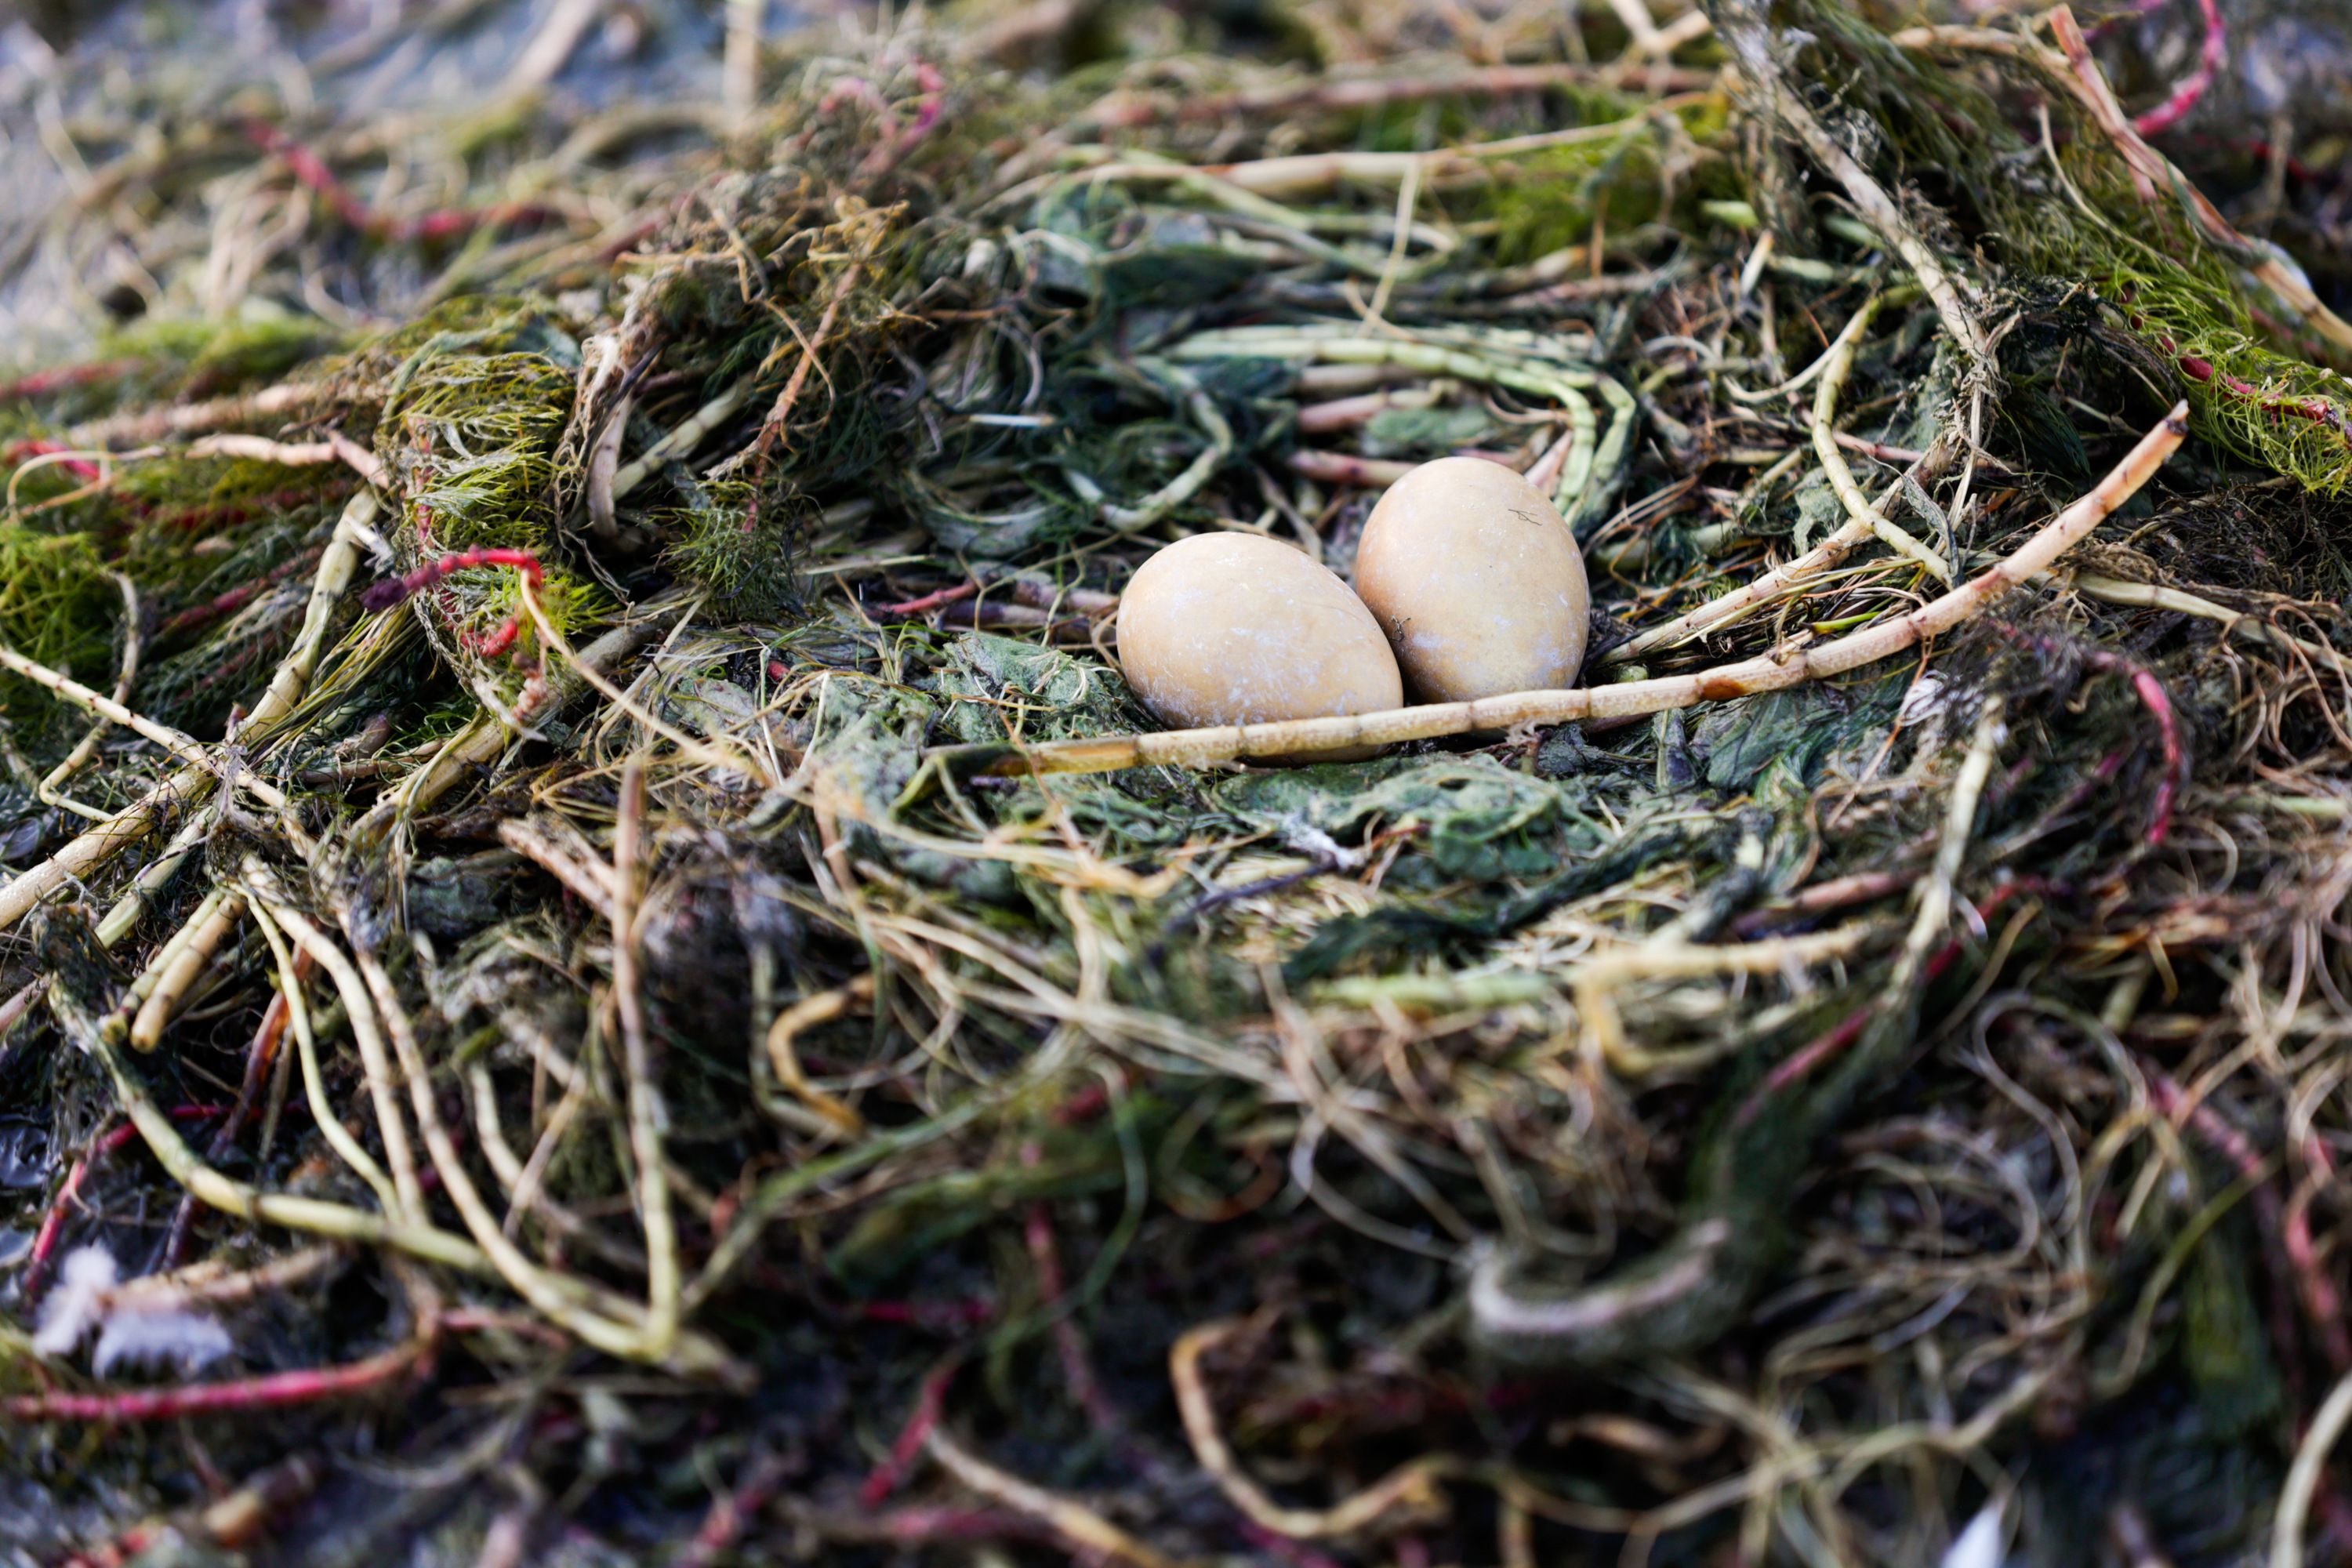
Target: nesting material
x: 1232, y: 628
x: 1477, y: 581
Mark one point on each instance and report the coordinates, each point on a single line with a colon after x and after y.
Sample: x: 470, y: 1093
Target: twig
x: 314, y: 1088
x: 49, y: 790
x: 2158, y: 596
x: 1837, y: 365
x: 202, y: 939
x: 731, y: 1510
x: 2303, y: 1476
x: 1933, y: 915
x: 1307, y: 173
x: 384, y: 595
x: 313, y: 1215
x: 931, y: 1398
x: 646, y: 1116
x: 337, y: 448
x: 1410, y: 1487
x: 550, y: 49
x: 684, y: 439
x: 103, y: 841
x: 742, y: 761
x: 1594, y: 979
x: 1346, y: 468
x: 740, y: 69
x: 589, y: 1313
x: 53, y: 1223
x: 1720, y: 612
x: 273, y: 1391
x: 1154, y: 508
x: 1088, y: 1532
x: 771, y: 429
x: 145, y: 426
x: 185, y: 748
x: 1770, y: 672
x: 1125, y: 109
x: 806, y: 1013
x: 375, y: 1066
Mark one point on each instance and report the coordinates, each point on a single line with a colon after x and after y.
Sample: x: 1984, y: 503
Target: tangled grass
x: 538, y: 971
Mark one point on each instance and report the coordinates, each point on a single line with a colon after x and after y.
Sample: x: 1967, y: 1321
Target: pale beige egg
x: 1477, y: 581
x: 1236, y: 628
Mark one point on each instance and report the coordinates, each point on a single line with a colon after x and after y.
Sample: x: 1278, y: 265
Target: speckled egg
x: 1236, y: 628
x: 1477, y: 579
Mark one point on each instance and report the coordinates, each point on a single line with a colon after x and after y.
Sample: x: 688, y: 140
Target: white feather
x: 1979, y: 1546
x: 76, y: 1301
x: 159, y: 1331
x: 170, y: 1338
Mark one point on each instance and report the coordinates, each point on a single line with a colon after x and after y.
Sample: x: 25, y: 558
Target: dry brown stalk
x: 1768, y: 672
x: 328, y: 1121
x: 1093, y: 1537
x: 1837, y: 366
x: 375, y: 1065
x: 772, y: 429
x: 1750, y: 37
x: 1412, y: 1486
x: 49, y: 790
x: 2304, y: 1477
x: 141, y: 427
x: 1719, y: 613
x: 482, y: 742
x: 806, y: 1013
x: 1595, y: 980
x: 337, y: 448
x: 696, y: 429
x: 135, y: 822
x: 743, y: 760
x: 178, y: 976
x: 557, y: 847
x: 139, y: 988
x: 186, y: 748
x: 593, y: 1315
x: 2156, y: 596
x: 209, y: 1187
x: 647, y: 1117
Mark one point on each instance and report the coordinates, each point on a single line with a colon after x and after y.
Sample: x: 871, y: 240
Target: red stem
x: 1803, y: 1061
x: 42, y: 383
x: 730, y: 1510
x: 79, y: 468
x: 2151, y: 692
x: 311, y: 170
x: 53, y: 1223
x: 929, y: 602
x: 932, y: 1315
x: 391, y: 590
x: 308, y: 1385
x: 2192, y: 87
x: 929, y: 1400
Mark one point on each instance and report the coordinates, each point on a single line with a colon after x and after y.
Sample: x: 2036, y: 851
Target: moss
x: 739, y: 550
x: 1551, y: 199
x: 471, y: 444
x: 57, y: 607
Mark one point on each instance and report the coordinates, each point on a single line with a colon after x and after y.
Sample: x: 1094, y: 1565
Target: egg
x: 1236, y: 628
x: 1477, y: 581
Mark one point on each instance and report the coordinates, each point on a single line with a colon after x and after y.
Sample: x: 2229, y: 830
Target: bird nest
x: 600, y: 966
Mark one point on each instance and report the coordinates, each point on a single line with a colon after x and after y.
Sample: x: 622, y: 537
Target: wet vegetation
x: 599, y: 966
